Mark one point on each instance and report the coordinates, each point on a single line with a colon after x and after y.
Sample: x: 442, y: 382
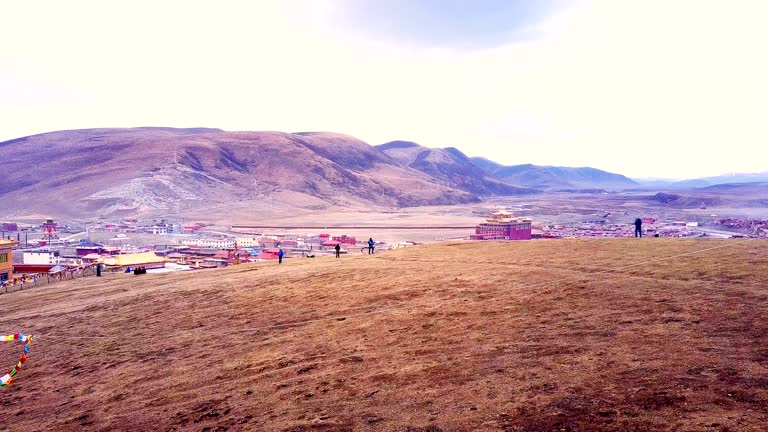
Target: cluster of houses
x: 257, y: 248
x: 755, y: 227
x: 192, y: 253
x: 157, y: 227
x: 601, y: 228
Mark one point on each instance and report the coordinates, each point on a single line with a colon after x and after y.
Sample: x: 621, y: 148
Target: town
x: 52, y: 252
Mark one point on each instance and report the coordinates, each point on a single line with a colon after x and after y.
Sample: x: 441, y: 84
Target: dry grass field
x: 572, y: 335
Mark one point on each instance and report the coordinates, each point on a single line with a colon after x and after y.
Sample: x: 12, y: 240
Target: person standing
x: 338, y: 250
x: 638, y: 227
x: 371, y: 246
x: 280, y: 255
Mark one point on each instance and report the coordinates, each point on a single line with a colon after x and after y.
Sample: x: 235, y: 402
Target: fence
x: 42, y: 279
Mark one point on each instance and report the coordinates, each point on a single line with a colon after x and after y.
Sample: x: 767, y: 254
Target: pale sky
x: 652, y: 88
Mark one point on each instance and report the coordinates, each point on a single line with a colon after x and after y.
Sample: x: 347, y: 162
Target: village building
x: 9, y: 226
x: 214, y: 263
x: 344, y: 239
x: 96, y: 249
x: 247, y: 242
x: 502, y: 225
x: 269, y: 254
x: 159, y: 230
x: 267, y: 243
x: 41, y: 257
x: 290, y: 245
x: 6, y: 259
x: 141, y: 259
x: 211, y: 243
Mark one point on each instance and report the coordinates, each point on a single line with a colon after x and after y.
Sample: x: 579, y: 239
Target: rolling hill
x: 129, y: 171
x: 433, y: 338
x: 451, y: 167
x: 705, y: 181
x: 552, y: 177
x: 746, y: 195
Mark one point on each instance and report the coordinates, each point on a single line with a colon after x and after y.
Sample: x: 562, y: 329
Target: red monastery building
x: 502, y: 225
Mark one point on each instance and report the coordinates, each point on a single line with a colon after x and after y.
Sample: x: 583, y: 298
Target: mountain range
x: 553, y: 177
x: 450, y: 167
x: 144, y: 170
x: 116, y: 171
x: 735, y: 178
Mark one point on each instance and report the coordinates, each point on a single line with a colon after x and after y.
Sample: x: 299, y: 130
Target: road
x: 73, y: 236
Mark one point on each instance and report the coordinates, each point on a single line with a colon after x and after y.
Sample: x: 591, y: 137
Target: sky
x: 652, y: 88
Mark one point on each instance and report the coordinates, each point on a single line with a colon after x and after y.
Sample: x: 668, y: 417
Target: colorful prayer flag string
x: 6, y: 379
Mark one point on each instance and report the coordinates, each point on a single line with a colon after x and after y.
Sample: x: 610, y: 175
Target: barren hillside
x: 517, y: 336
x: 130, y: 171
x: 451, y: 167
x: 553, y: 177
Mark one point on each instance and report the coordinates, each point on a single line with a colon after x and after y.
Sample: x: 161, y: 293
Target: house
x: 211, y: 243
x: 269, y: 254
x: 6, y: 259
x: 90, y: 258
x: 214, y: 262
x: 330, y: 244
x: 141, y: 259
x: 344, y: 239
x: 161, y: 230
x: 8, y: 226
x: 41, y: 257
x: 247, y: 242
x: 267, y: 243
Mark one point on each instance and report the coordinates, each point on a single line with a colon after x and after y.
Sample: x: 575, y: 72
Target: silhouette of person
x: 638, y: 227
x: 371, y: 245
x: 338, y: 250
x: 280, y: 255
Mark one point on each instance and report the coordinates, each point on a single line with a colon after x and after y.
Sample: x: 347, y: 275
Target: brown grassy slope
x: 468, y: 336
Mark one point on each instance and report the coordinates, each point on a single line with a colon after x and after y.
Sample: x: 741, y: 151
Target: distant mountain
x: 705, y: 181
x: 451, y: 167
x: 129, y: 171
x: 754, y: 194
x: 551, y: 177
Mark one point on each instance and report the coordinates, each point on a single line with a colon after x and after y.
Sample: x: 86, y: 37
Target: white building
x: 210, y: 243
x: 159, y: 230
x: 692, y: 224
x: 41, y: 258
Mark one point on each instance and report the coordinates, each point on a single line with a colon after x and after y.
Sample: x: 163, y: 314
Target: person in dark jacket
x: 638, y: 227
x: 338, y: 250
x: 280, y: 255
x: 371, y: 246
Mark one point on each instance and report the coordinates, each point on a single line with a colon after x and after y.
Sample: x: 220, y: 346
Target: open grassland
x: 587, y: 335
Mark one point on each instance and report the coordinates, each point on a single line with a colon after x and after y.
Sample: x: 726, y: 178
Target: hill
x: 451, y: 167
x: 706, y: 181
x: 552, y: 177
x: 116, y: 171
x: 730, y: 194
x: 542, y: 336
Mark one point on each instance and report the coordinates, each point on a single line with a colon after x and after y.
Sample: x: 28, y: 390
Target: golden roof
x: 134, y: 259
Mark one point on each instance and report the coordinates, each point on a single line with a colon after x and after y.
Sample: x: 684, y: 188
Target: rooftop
x: 6, y: 242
